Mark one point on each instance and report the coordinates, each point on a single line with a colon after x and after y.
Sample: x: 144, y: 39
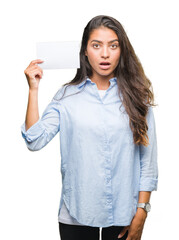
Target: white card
x: 64, y: 54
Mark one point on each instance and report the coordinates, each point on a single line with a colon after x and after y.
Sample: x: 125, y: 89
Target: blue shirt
x: 102, y: 169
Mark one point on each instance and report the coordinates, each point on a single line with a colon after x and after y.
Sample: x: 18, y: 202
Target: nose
x: 105, y: 52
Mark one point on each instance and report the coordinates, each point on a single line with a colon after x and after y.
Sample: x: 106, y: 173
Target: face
x: 103, y: 52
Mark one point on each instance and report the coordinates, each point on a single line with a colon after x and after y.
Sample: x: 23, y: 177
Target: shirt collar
x: 112, y: 80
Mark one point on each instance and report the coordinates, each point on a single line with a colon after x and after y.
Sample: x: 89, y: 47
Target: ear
x: 86, y: 53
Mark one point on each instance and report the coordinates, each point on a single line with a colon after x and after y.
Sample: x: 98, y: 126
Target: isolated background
x: 30, y: 182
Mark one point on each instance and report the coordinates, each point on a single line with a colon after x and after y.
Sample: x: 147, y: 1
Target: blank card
x: 59, y: 55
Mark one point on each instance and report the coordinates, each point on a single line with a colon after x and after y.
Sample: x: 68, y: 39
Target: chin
x: 106, y: 74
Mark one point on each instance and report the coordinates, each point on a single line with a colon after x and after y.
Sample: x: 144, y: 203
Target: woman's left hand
x: 136, y: 227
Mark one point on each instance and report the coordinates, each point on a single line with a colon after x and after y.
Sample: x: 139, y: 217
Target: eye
x: 96, y: 45
x: 113, y: 46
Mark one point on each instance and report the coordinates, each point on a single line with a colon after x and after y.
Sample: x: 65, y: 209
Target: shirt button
x: 108, y: 180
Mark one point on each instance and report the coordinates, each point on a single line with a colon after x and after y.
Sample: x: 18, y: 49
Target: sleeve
x: 148, y: 158
x: 42, y: 132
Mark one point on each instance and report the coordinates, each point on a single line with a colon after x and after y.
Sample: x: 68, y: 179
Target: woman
x: 107, y: 137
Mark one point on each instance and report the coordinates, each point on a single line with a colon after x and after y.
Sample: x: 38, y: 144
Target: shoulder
x: 150, y: 113
x: 65, y: 91
x: 150, y: 117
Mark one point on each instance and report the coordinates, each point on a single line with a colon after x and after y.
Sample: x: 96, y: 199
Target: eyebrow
x: 101, y: 41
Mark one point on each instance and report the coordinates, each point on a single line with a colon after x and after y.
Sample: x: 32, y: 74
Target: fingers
x: 33, y: 66
x: 37, y: 61
x: 31, y: 72
x: 34, y: 73
x: 124, y: 230
x: 128, y: 238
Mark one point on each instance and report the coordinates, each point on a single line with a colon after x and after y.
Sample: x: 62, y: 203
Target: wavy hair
x: 133, y: 84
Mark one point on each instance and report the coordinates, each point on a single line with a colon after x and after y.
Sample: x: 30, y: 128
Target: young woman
x: 107, y: 137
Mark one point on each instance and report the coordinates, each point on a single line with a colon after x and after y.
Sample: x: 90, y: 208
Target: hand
x: 136, y: 227
x: 33, y: 74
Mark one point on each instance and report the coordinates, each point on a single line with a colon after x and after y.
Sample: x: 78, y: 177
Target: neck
x: 102, y: 82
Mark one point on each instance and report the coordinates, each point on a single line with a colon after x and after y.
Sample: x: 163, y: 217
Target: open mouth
x: 104, y: 65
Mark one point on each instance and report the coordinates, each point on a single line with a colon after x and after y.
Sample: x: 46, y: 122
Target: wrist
x: 141, y: 213
x: 33, y: 89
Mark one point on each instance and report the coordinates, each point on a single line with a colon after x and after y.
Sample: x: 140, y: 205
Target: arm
x: 148, y: 180
x: 148, y: 177
x: 32, y: 114
x: 42, y: 132
x: 136, y: 227
x: 38, y: 132
x: 33, y: 74
x: 137, y: 224
x: 143, y: 198
x: 148, y: 158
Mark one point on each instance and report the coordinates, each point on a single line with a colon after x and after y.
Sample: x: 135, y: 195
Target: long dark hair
x: 135, y: 87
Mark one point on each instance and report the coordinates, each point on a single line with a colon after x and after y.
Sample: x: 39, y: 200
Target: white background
x: 30, y: 182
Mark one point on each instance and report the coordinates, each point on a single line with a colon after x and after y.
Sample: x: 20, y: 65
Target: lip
x: 104, y: 66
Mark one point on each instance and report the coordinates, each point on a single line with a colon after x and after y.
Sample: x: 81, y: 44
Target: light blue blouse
x: 64, y: 216
x: 102, y: 169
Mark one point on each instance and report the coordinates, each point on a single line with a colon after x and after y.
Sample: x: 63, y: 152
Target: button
x: 108, y: 160
x: 108, y: 180
x: 108, y: 201
x: 108, y: 172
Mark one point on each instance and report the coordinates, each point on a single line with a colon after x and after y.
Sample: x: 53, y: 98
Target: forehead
x: 103, y: 34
